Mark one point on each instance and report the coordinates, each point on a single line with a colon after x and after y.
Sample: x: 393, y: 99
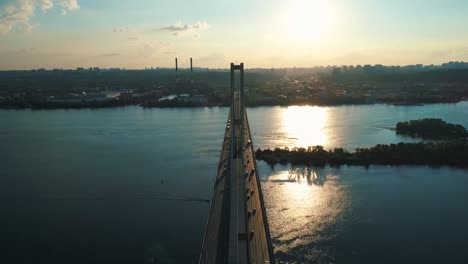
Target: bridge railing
x: 260, y: 192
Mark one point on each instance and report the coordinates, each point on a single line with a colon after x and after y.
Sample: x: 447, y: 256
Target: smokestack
x: 176, y: 67
x: 191, y: 67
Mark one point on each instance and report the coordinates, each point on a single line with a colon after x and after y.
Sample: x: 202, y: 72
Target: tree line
x: 449, y: 153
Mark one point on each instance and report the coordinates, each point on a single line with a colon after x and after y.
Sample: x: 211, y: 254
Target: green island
x: 431, y: 128
x: 452, y: 151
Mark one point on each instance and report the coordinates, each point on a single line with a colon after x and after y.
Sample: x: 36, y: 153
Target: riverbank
x: 114, y: 104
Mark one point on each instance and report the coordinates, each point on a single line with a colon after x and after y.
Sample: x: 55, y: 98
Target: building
x: 197, y: 99
x: 84, y: 98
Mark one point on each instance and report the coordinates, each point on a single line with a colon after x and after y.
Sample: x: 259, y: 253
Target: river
x: 128, y: 185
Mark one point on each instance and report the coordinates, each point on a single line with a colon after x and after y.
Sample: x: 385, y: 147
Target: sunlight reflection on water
x: 306, y: 207
x: 346, y: 127
x: 306, y: 125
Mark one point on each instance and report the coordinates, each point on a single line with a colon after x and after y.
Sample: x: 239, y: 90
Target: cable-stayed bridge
x: 237, y: 230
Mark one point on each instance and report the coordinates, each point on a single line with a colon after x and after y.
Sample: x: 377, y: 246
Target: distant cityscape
x: 164, y: 87
x: 366, y: 67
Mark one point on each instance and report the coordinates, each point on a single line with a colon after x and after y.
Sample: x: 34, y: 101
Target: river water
x: 128, y: 185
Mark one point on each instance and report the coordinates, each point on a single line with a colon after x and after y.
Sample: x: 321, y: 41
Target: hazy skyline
x: 274, y: 33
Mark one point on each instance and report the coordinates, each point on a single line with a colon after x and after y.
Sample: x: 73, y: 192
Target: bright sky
x: 261, y: 33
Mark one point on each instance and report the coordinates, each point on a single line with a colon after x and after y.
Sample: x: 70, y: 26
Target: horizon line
x: 227, y: 69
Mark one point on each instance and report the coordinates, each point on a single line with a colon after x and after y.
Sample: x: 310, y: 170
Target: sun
x: 307, y: 19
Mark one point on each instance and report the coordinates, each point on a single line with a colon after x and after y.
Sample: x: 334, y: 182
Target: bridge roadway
x: 237, y: 229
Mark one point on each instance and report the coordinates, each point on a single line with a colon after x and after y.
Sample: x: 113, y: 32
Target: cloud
x: 45, y: 4
x: 18, y: 12
x: 69, y: 4
x: 180, y: 28
x: 118, y: 30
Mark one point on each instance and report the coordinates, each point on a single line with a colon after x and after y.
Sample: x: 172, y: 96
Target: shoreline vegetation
x: 116, y: 103
x: 451, y: 152
x: 431, y: 128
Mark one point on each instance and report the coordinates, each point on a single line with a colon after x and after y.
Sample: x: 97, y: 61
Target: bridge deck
x: 237, y: 230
